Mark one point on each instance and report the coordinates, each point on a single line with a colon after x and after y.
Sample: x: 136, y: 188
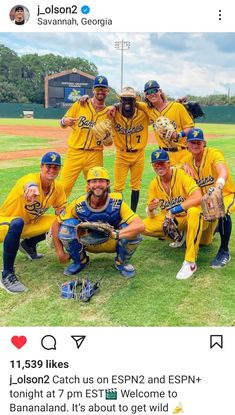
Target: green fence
x: 214, y: 114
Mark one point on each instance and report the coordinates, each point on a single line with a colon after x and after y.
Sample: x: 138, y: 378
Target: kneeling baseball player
x: 178, y: 197
x: 101, y: 207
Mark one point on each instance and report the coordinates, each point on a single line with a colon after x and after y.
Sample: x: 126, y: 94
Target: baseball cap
x: 128, y: 92
x: 51, y: 158
x: 195, y: 134
x: 97, y: 173
x: 151, y: 85
x: 101, y: 80
x: 159, y: 155
x: 17, y: 8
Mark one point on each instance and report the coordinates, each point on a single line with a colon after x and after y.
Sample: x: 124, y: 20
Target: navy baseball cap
x: 101, y: 81
x: 159, y: 155
x: 51, y: 158
x: 151, y: 85
x: 195, y: 134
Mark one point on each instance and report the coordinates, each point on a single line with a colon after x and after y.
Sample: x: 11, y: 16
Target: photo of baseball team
x: 190, y: 198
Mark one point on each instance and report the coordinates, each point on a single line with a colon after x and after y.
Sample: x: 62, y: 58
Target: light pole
x: 122, y: 45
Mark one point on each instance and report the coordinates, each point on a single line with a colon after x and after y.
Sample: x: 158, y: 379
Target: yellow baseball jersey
x: 15, y: 204
x: 81, y: 137
x: 114, y: 212
x: 206, y: 174
x: 131, y: 133
x: 181, y: 187
x: 176, y: 113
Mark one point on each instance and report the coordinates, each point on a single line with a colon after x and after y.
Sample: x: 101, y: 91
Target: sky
x: 182, y: 63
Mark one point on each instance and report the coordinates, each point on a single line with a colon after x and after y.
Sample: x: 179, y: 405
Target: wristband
x: 31, y: 185
x: 182, y: 134
x: 177, y: 209
x: 62, y: 122
x: 116, y: 232
x: 220, y: 181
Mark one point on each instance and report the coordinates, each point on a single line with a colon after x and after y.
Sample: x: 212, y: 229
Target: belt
x: 172, y: 149
x: 87, y: 149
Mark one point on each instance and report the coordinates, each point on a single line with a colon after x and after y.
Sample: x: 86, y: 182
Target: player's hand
x: 63, y: 256
x: 31, y: 193
x: 69, y: 122
x: 83, y: 100
x: 189, y: 170
x: 112, y: 111
x: 153, y: 204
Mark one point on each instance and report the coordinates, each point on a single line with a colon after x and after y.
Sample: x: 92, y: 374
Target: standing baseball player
x: 84, y: 151
x: 208, y: 167
x: 98, y: 205
x: 158, y: 105
x: 130, y: 139
x: 22, y: 216
x: 177, y: 196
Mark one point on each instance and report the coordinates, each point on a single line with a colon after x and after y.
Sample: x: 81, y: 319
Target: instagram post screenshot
x: 117, y: 202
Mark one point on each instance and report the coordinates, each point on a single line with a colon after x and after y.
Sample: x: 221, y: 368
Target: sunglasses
x: 152, y: 91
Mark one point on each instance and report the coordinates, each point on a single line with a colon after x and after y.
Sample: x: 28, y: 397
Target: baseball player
x: 176, y: 194
x: 208, y: 167
x: 130, y: 139
x: 84, y: 151
x: 98, y: 205
x: 22, y: 216
x: 157, y: 105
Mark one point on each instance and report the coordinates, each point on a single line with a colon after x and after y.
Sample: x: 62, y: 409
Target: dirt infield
x: 57, y: 140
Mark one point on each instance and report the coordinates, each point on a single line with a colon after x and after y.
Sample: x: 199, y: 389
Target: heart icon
x: 18, y: 341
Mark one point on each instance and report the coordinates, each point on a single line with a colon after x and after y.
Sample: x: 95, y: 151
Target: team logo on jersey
x: 206, y: 181
x: 35, y: 209
x: 168, y: 204
x: 85, y: 123
x: 128, y: 131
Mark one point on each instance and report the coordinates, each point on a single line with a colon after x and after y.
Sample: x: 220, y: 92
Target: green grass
x: 29, y: 121
x: 153, y: 298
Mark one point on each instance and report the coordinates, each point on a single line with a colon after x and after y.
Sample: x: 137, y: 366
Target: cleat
x: 11, y: 284
x: 76, y: 267
x: 126, y: 270
x: 29, y: 251
x: 221, y: 259
x: 179, y: 243
x: 187, y: 270
x: 88, y: 290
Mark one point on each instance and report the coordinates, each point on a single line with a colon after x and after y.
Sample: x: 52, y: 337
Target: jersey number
x: 138, y: 137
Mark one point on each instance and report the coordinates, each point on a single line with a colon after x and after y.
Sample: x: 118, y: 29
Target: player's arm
x: 61, y: 254
x: 70, y: 119
x: 222, y: 175
x: 135, y: 227
x: 193, y: 200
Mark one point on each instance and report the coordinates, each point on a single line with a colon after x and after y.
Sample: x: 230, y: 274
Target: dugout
x: 64, y: 88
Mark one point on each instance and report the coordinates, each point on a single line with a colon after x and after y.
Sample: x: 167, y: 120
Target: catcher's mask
x: 159, y: 155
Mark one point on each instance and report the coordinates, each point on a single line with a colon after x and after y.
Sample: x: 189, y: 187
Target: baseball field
x: 154, y: 297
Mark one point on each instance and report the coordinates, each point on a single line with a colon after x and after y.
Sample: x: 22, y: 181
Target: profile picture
x: 19, y: 14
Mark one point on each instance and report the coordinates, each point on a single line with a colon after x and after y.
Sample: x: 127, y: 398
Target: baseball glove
x: 165, y: 128
x: 103, y: 132
x: 94, y: 233
x: 170, y: 228
x: 213, y: 205
x: 194, y: 108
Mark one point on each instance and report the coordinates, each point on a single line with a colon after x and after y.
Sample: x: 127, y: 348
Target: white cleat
x: 187, y: 270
